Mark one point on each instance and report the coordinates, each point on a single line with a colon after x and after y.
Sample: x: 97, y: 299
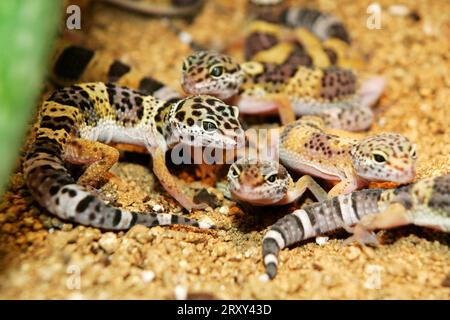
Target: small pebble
x: 220, y: 251
x: 263, y: 278
x: 183, y: 264
x: 147, y: 276
x: 224, y: 210
x: 180, y: 292
x: 109, y: 242
x: 207, y: 220
x: 321, y: 240
x: 352, y: 253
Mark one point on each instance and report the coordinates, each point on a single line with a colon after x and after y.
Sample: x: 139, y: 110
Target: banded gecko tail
x: 177, y: 8
x: 76, y: 64
x: 184, y: 36
x: 316, y: 219
x: 54, y: 187
x: 323, y: 25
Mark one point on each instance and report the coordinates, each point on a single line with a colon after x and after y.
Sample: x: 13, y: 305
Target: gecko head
x: 209, y: 72
x: 205, y: 121
x: 258, y: 182
x: 385, y: 157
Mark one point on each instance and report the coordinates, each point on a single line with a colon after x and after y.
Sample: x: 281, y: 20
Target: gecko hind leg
x: 393, y: 216
x: 304, y: 183
x: 285, y: 110
x: 98, y: 156
x: 342, y: 187
x: 170, y: 183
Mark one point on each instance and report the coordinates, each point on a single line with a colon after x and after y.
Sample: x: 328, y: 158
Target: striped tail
x: 323, y: 25
x: 55, y: 189
x: 316, y: 219
x: 77, y: 64
x: 184, y: 36
x: 177, y: 8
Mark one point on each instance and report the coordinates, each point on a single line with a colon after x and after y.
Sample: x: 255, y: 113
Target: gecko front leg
x: 170, y: 183
x: 348, y: 184
x: 285, y: 110
x: 302, y: 184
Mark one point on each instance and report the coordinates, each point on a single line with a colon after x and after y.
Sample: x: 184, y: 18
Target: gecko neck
x: 163, y: 120
x: 249, y: 70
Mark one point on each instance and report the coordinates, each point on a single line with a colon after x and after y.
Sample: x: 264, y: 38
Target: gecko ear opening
x: 413, y: 151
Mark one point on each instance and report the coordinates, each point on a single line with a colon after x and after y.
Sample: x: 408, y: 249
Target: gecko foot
x: 361, y: 235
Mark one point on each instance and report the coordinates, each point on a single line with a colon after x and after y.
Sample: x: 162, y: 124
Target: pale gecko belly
x: 262, y: 105
x: 303, y: 106
x: 427, y: 218
x: 254, y: 105
x: 291, y: 160
x: 108, y: 131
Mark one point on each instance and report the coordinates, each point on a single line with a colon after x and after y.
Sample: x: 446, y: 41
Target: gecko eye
x: 216, y: 71
x: 184, y: 67
x: 379, y: 158
x: 413, y: 152
x: 209, y: 126
x: 272, y: 178
x: 234, y: 172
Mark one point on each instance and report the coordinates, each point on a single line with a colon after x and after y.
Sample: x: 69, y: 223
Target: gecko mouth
x: 251, y: 195
x: 193, y: 87
x: 253, y: 105
x: 406, y: 176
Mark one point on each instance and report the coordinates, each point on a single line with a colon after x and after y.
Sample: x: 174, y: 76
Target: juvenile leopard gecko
x: 307, y: 147
x: 267, y: 88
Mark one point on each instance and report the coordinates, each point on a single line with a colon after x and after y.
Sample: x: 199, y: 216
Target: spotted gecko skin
x: 73, y: 64
x: 261, y: 88
x: 307, y: 147
x: 75, y: 122
x: 424, y: 203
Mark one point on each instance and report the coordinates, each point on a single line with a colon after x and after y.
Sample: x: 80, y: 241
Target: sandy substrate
x: 42, y: 257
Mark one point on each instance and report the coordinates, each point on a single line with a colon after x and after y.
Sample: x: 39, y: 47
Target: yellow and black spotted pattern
x: 91, y: 112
